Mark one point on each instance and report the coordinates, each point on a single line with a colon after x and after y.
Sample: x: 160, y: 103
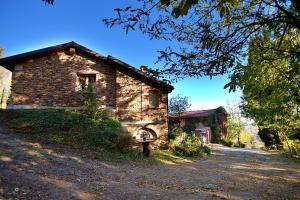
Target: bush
x: 62, y: 127
x: 189, y: 128
x: 123, y: 142
x: 206, y: 150
x: 269, y: 137
x: 175, y: 133
x: 227, y: 143
x: 295, y: 146
x: 135, y: 154
x: 191, y: 146
x: 92, y: 105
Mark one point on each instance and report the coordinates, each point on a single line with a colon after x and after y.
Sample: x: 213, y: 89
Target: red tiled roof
x: 197, y: 113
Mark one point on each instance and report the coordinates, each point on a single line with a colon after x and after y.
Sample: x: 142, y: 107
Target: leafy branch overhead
x: 208, y: 37
x: 51, y: 2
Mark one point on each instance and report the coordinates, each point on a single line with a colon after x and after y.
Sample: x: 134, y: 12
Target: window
x: 85, y: 80
x: 153, y: 99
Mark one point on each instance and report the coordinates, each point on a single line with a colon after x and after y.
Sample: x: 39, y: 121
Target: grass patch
x: 58, y: 126
x: 92, y: 138
x: 168, y: 157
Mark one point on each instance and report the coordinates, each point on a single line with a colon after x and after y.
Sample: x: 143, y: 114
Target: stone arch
x: 145, y: 134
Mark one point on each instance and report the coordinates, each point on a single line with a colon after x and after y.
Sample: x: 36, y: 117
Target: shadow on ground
x: 35, y: 171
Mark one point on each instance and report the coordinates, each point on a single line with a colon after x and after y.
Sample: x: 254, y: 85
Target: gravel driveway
x: 34, y: 171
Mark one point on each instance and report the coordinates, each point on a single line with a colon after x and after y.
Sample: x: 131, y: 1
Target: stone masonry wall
x: 52, y: 81
x: 133, y: 108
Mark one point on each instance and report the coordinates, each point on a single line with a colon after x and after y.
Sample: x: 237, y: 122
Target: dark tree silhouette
x: 208, y: 37
x: 51, y: 2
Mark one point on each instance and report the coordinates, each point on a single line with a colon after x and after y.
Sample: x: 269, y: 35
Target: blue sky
x: 29, y: 25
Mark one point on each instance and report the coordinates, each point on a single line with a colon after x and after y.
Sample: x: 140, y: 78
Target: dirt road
x: 32, y: 171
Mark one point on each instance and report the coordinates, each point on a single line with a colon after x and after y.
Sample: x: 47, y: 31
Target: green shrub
x: 175, y: 133
x: 92, y: 105
x: 295, y: 146
x: 227, y: 143
x: 62, y: 127
x: 269, y: 137
x: 242, y: 145
x: 190, y: 127
x: 191, y: 146
x: 206, y: 150
x: 135, y: 154
x: 123, y: 142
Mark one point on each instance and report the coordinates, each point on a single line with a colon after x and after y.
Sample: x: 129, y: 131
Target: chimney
x: 144, y: 68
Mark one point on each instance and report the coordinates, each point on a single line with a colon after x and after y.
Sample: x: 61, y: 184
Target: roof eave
x: 10, y: 61
x: 166, y: 86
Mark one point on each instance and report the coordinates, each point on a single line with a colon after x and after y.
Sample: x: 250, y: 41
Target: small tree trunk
x: 239, y: 138
x: 288, y: 144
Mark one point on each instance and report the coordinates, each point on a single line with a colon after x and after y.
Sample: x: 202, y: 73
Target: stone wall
x: 133, y: 107
x: 52, y: 81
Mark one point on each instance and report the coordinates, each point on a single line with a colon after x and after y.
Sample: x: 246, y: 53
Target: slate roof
x: 9, y: 62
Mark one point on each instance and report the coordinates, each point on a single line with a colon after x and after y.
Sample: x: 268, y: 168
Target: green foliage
x: 191, y: 146
x: 92, y: 106
x: 123, y: 142
x: 214, y: 36
x: 234, y: 127
x: 241, y: 145
x: 269, y: 137
x: 189, y: 128
x: 226, y: 142
x: 104, y: 132
x: 131, y: 154
x: 62, y: 127
x: 271, y: 87
x: 295, y: 146
x: 175, y: 133
x: 213, y: 123
x: 178, y: 104
x: 295, y: 135
x: 206, y: 150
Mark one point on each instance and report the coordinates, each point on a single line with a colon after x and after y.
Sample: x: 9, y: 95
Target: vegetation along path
x: 34, y: 171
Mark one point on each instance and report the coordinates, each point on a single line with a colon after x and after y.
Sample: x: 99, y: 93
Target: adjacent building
x: 205, y: 123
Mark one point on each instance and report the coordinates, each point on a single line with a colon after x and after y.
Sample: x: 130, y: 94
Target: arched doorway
x: 145, y: 136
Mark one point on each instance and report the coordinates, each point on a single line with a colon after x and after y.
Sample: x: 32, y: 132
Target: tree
x: 1, y: 52
x: 235, y: 125
x: 213, y: 36
x: 5, y: 82
x: 269, y: 137
x: 271, y: 84
x: 178, y: 104
x: 51, y: 2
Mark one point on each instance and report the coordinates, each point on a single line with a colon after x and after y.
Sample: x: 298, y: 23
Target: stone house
x: 54, y: 77
x: 206, y: 123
